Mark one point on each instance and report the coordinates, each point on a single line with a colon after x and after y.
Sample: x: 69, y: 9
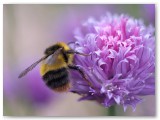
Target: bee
x: 54, y: 68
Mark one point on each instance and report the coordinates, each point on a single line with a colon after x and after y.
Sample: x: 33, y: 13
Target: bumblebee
x: 55, y: 64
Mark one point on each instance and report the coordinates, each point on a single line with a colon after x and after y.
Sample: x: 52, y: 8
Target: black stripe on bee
x: 65, y: 56
x: 56, y: 78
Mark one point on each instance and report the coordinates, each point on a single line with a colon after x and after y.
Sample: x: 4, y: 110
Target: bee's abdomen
x: 56, y: 78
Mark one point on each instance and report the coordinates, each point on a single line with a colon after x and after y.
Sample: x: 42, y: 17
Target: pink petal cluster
x: 121, y: 65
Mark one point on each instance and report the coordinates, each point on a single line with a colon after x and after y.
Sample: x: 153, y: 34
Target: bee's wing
x: 31, y: 67
x: 34, y: 64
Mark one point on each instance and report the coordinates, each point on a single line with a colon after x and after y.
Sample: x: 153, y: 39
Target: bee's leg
x: 75, y: 67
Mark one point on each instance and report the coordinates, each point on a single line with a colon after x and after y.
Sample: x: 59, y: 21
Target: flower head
x: 121, y: 64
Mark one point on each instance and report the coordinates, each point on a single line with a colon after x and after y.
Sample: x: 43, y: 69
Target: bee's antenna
x: 75, y: 52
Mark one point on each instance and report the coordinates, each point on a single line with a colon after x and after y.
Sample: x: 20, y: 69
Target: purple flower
x: 121, y: 64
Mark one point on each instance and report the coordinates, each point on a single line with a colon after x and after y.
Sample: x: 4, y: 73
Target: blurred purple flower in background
x: 121, y: 64
x: 36, y: 89
x: 148, y: 12
x: 30, y: 89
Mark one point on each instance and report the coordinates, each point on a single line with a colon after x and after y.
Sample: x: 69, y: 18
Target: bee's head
x: 51, y: 49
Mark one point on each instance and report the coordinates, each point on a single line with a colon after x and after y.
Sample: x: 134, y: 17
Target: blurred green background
x: 28, y: 29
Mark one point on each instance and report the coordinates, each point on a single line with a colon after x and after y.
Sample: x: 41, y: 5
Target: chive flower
x: 121, y: 65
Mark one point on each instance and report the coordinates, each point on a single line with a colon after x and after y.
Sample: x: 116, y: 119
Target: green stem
x: 112, y: 111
